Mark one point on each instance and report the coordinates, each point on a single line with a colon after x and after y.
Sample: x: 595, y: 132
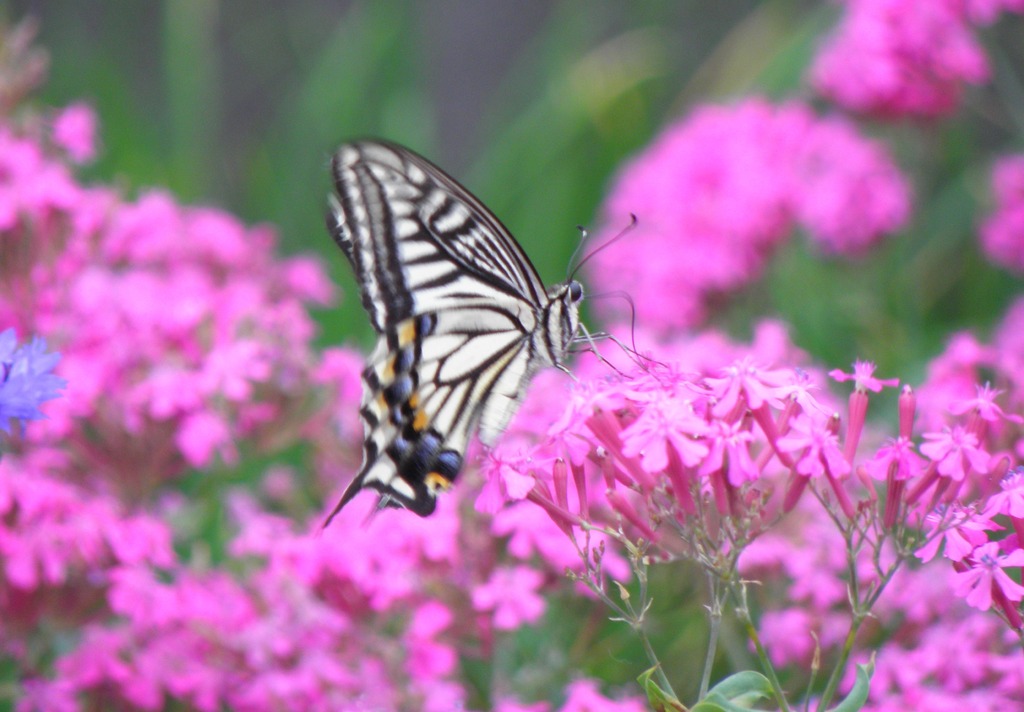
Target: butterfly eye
x: 575, y: 291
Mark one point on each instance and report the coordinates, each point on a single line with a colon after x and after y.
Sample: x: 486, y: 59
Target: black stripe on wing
x: 396, y: 210
x: 363, y: 224
x: 417, y: 430
x: 483, y: 244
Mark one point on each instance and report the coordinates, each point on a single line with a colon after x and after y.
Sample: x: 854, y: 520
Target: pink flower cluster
x: 962, y: 475
x: 581, y: 696
x: 301, y: 631
x: 74, y: 130
x: 896, y: 58
x: 702, y: 462
x: 57, y: 539
x: 220, y: 329
x: 785, y: 166
x: 1002, y: 234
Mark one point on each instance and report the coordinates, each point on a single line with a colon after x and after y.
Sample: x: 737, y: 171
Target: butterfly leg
x: 591, y: 341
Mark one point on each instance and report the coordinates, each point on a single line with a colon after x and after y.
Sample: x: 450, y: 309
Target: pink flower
x: 783, y: 164
x: 74, y: 130
x: 986, y: 574
x: 850, y: 193
x: 745, y: 384
x: 896, y: 457
x: 730, y: 447
x: 506, y: 481
x: 954, y: 375
x: 790, y: 631
x: 1007, y: 350
x: 203, y: 435
x: 584, y: 696
x: 960, y: 529
x: 956, y: 452
x: 30, y: 183
x: 532, y: 532
x: 985, y: 11
x: 429, y: 659
x: 863, y: 377
x: 818, y: 447
x: 53, y: 533
x: 663, y: 423
x: 897, y: 58
x: 985, y: 405
x: 1002, y: 234
x: 511, y: 597
x: 39, y: 695
x: 1010, y: 501
x: 306, y: 279
x: 800, y: 389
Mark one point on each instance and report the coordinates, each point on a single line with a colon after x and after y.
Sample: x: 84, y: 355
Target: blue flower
x: 25, y: 379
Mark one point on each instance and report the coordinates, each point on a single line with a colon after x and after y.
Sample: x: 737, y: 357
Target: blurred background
x: 533, y: 105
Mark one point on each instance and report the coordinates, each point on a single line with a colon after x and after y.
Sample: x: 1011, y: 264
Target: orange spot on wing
x: 406, y: 332
x: 437, y: 482
x: 420, y: 421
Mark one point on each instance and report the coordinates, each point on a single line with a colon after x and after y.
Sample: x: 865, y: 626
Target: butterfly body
x: 463, y: 320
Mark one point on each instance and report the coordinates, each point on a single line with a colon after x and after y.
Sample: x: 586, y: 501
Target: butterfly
x: 463, y: 320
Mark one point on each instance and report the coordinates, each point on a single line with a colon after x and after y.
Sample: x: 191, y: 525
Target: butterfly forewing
x: 417, y: 240
x: 462, y: 317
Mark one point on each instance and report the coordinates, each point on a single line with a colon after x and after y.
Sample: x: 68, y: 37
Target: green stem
x: 766, y: 665
x: 860, y: 612
x: 715, y: 622
x: 666, y: 686
x: 637, y: 621
x: 855, y: 620
x: 844, y: 656
x: 628, y: 614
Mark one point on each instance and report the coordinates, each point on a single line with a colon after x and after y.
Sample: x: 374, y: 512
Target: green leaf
x: 743, y: 683
x: 660, y: 700
x: 706, y: 705
x: 737, y: 693
x: 859, y: 694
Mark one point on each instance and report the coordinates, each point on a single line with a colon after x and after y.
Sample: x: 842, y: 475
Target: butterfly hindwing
x: 405, y: 457
x: 463, y: 320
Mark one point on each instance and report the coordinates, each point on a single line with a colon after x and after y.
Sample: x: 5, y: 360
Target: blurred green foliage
x: 240, y: 103
x: 534, y: 107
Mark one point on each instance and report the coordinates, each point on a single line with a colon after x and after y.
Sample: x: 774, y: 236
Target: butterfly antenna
x: 584, y: 236
x: 622, y: 233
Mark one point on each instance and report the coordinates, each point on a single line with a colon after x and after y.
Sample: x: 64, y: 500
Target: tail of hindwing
x: 405, y: 457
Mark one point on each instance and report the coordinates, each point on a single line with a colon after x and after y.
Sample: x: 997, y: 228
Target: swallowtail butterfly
x: 463, y: 320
